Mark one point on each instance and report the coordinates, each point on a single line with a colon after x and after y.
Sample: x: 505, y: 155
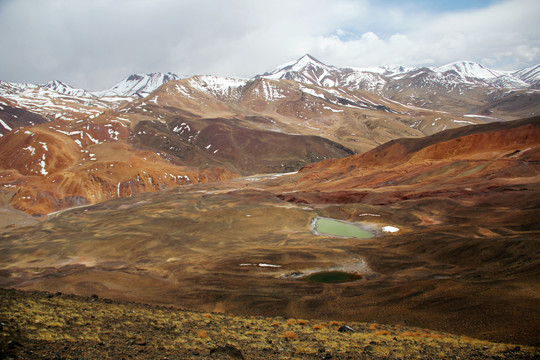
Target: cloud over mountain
x: 94, y: 44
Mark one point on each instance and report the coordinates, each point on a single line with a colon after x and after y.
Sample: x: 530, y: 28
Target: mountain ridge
x: 316, y: 72
x: 466, y: 70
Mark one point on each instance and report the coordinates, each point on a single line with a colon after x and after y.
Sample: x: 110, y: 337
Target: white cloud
x: 505, y: 35
x: 93, y: 44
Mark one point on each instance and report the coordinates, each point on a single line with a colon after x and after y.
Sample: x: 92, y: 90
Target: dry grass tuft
x: 292, y: 322
x: 202, y: 334
x: 276, y: 324
x: 374, y: 326
x: 290, y: 335
x: 417, y: 334
x: 320, y: 326
x: 208, y: 315
x: 382, y: 332
x: 303, y: 322
x: 407, y: 334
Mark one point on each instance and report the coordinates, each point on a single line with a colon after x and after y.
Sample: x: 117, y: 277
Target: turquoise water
x: 340, y: 228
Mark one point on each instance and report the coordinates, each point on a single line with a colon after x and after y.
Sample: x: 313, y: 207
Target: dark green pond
x: 332, y: 277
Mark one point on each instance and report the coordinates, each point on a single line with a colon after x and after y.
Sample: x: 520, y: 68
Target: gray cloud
x: 94, y: 44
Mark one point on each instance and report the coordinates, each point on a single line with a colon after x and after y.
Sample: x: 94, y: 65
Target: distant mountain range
x: 307, y: 69
x: 458, y: 75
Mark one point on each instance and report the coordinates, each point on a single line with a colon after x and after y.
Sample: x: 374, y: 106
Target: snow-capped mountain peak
x: 308, y: 60
x: 297, y: 65
x: 530, y: 75
x: 139, y: 85
x: 470, y: 70
x: 306, y: 69
x: 63, y: 88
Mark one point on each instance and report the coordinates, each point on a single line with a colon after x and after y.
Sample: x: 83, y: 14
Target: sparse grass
x: 92, y: 328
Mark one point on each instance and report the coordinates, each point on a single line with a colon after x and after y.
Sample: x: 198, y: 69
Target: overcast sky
x: 93, y: 44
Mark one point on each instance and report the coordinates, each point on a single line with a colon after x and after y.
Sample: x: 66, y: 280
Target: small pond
x: 332, y: 277
x: 340, y: 228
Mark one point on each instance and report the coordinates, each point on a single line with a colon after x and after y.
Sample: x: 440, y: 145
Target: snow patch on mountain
x: 388, y: 71
x: 268, y: 90
x: 223, y: 87
x: 9, y: 88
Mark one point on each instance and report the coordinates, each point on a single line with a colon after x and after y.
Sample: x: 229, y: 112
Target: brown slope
x: 225, y: 143
x: 486, y: 164
x: 465, y: 142
x: 512, y: 105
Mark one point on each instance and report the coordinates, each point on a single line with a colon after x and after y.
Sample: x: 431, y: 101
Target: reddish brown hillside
x: 451, y: 162
x: 465, y: 141
x: 63, y: 164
